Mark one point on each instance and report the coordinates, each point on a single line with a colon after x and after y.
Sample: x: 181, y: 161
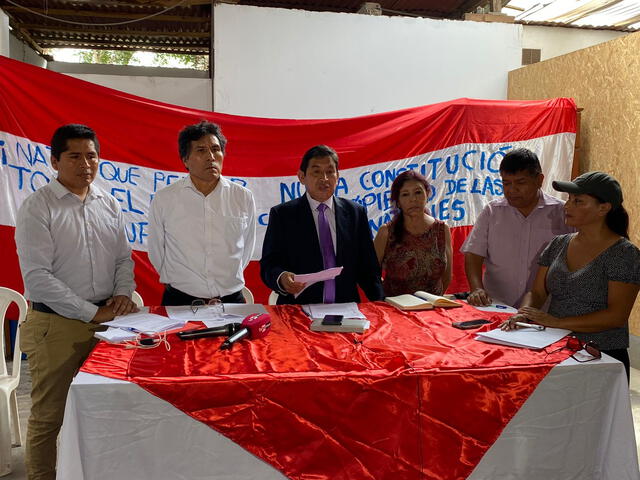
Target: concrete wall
x: 11, y: 47
x: 555, y: 41
x: 187, y: 88
x: 4, y: 34
x: 298, y: 64
x: 23, y: 52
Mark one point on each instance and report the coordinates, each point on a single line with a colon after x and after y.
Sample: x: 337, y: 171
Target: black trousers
x: 174, y: 297
x: 621, y: 354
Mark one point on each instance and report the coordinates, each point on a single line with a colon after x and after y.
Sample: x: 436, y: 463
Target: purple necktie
x: 328, y: 254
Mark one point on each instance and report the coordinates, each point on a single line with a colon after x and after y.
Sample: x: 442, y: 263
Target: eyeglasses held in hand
x: 215, y: 303
x: 575, y: 345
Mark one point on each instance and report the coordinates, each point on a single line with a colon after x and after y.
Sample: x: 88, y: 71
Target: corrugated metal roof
x: 604, y: 14
x: 184, y: 28
x: 111, y: 25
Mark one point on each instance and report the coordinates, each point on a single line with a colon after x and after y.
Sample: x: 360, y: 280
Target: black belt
x: 41, y: 307
x: 173, y: 296
x: 175, y: 291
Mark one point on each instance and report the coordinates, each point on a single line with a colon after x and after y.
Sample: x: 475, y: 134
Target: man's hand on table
x: 479, y: 298
x: 116, y: 305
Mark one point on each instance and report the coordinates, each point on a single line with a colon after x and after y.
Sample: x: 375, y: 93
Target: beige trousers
x: 56, y: 347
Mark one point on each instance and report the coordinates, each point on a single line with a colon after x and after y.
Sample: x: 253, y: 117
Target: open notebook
x: 420, y: 301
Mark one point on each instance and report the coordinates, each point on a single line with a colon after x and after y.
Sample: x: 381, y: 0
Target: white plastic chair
x: 137, y: 299
x: 9, y: 421
x: 248, y: 296
x: 273, y: 298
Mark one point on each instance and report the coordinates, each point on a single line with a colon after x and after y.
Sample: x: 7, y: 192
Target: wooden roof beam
x: 99, y: 14
x: 97, y: 45
x: 111, y: 31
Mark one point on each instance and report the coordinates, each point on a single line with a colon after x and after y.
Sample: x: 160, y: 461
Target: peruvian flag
x: 457, y: 145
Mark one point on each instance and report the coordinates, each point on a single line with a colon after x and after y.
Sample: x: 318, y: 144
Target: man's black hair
x: 318, y: 151
x: 196, y: 132
x: 519, y: 160
x: 70, y: 132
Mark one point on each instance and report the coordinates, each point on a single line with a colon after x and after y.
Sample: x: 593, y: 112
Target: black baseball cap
x: 598, y: 184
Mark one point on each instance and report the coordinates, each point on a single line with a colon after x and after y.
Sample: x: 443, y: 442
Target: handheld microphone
x: 254, y: 326
x: 219, y: 331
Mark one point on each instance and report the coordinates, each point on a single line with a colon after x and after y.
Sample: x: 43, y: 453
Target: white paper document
x: 186, y: 314
x: 225, y: 319
x: 115, y: 335
x: 310, y: 278
x: 523, y: 337
x: 213, y: 316
x: 210, y: 316
x: 497, y: 308
x: 320, y: 310
x: 144, y: 322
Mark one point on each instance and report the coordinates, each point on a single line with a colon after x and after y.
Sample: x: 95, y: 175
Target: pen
x: 530, y: 325
x: 130, y: 329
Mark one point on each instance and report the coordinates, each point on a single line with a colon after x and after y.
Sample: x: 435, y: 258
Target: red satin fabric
x: 413, y: 398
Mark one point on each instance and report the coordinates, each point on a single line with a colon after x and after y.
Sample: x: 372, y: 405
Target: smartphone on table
x: 469, y: 324
x: 332, y: 320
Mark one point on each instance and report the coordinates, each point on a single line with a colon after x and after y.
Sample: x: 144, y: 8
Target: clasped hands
x: 116, y: 305
x: 529, y: 315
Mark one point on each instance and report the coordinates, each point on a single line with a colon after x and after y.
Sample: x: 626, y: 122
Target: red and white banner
x: 457, y: 145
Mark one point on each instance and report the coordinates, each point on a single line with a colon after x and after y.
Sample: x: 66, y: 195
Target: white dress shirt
x: 200, y: 244
x: 72, y: 252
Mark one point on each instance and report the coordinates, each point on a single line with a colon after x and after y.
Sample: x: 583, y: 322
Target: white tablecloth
x: 576, y: 425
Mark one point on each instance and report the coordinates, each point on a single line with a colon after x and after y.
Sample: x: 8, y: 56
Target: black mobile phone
x: 332, y: 320
x: 468, y: 324
x: 461, y: 295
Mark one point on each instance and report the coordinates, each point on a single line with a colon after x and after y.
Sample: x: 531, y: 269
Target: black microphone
x: 253, y: 326
x: 219, y: 331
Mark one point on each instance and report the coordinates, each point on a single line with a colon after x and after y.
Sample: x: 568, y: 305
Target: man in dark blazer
x: 292, y: 244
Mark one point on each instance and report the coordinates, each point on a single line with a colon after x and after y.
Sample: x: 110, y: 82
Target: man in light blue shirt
x: 77, y: 269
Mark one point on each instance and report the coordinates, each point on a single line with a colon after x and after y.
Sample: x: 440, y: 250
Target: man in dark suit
x: 318, y: 231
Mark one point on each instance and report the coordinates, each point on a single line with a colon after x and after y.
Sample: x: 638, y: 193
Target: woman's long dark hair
x: 617, y: 219
x: 400, y: 180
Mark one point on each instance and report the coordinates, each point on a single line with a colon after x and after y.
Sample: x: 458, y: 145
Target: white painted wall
x: 296, y: 64
x: 4, y: 34
x: 186, y: 92
x: 19, y: 50
x: 555, y: 41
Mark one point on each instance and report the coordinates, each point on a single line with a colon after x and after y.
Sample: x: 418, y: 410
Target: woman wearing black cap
x: 593, y: 276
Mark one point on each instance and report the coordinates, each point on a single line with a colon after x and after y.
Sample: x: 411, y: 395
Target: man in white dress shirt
x: 202, y: 228
x: 77, y: 269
